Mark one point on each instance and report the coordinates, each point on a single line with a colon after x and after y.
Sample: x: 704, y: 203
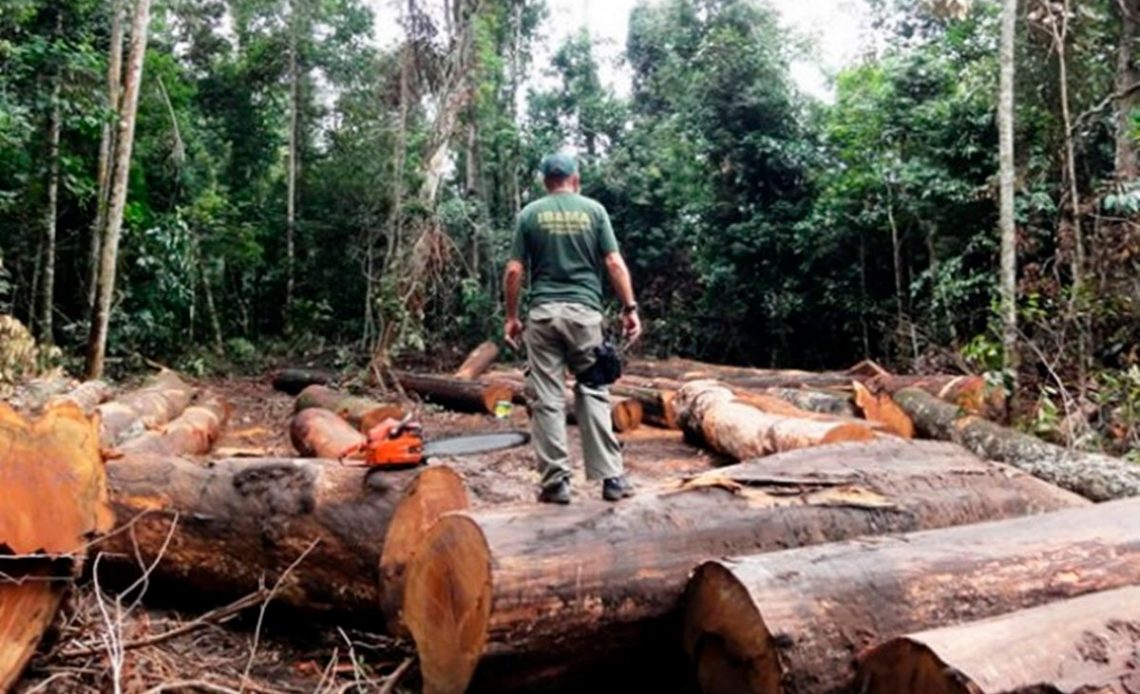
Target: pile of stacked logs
x: 834, y: 549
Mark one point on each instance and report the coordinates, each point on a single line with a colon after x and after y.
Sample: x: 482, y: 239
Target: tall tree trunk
x: 291, y: 203
x: 106, y: 148
x: 1127, y: 76
x: 55, y: 126
x: 1006, y: 175
x: 472, y: 187
x: 124, y: 141
x: 896, y: 258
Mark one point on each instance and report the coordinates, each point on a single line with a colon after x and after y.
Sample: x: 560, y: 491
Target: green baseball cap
x: 558, y: 165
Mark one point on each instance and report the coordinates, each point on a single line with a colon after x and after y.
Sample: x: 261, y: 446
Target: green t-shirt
x: 563, y: 239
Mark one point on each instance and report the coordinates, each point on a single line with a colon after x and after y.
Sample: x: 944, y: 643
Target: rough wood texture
x: 34, y: 394
x: 1098, y: 477
x: 883, y: 409
x: 712, y: 414
x: 537, y: 594
x: 477, y: 363
x: 792, y: 621
x: 971, y: 393
x: 161, y: 399
x: 54, y: 501
x: 361, y: 413
x: 1086, y: 644
x: 656, y: 404
x: 242, y: 521
x: 455, y: 394
x: 86, y: 396
x: 318, y: 433
x: 294, y: 380
x: 191, y: 433
x: 436, y: 491
x: 833, y: 403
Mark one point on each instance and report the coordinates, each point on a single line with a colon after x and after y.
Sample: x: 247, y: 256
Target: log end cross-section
x: 448, y: 605
x: 54, y: 502
x: 435, y: 491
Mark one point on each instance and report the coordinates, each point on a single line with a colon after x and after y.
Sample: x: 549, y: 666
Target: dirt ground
x: 104, y: 637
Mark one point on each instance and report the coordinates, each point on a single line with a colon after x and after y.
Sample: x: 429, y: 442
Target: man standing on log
x: 566, y: 240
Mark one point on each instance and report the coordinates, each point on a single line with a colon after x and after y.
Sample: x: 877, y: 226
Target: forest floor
x: 235, y: 650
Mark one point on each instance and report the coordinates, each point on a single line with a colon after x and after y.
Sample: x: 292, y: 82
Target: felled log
x: 453, y: 393
x: 161, y: 399
x: 881, y: 408
x: 54, y: 500
x: 435, y: 491
x: 1086, y: 644
x: 712, y: 414
x: 626, y: 414
x: 531, y: 594
x: 191, y: 433
x: 823, y: 401
x: 240, y: 522
x: 361, y: 413
x: 478, y: 361
x: 792, y: 621
x: 86, y: 396
x: 656, y: 405
x: 971, y: 393
x: 319, y: 433
x: 294, y: 380
x: 1096, y: 476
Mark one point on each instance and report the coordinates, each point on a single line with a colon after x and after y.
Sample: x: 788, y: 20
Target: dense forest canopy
x: 295, y: 185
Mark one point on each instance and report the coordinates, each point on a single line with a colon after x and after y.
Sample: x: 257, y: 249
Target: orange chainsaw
x: 400, y: 443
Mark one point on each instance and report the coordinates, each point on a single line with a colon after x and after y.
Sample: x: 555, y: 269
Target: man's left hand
x: 512, y: 331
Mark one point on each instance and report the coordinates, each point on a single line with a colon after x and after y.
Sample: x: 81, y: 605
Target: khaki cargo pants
x: 561, y: 335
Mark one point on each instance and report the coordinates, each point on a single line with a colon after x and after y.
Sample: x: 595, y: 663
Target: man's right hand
x: 512, y: 331
x: 631, y: 323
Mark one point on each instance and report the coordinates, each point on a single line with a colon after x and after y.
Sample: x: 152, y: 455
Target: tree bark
x: 712, y: 414
x: 191, y: 433
x: 656, y: 405
x: 478, y: 361
x: 291, y: 182
x: 293, y: 380
x: 791, y: 621
x: 44, y: 536
x: 1086, y: 644
x: 531, y: 595
x: 106, y: 149
x: 822, y: 401
x: 32, y: 396
x: 237, y: 524
x: 1096, y: 476
x: 86, y: 396
x: 455, y: 394
x: 124, y: 141
x: 51, y: 213
x: 163, y: 398
x: 1006, y: 175
x: 1127, y: 77
x: 319, y: 433
x: 361, y: 413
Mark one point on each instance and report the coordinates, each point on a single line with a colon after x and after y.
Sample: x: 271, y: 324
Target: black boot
x: 616, y: 488
x: 557, y: 493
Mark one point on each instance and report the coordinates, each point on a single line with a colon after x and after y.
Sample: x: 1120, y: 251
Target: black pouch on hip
x: 606, y: 368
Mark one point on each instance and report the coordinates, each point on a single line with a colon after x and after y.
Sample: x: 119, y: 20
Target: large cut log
x: 477, y: 363
x: 656, y: 405
x: 1086, y: 644
x: 191, y: 433
x: 829, y: 402
x: 54, y: 501
x: 318, y: 433
x: 293, y: 380
x: 881, y: 408
x: 532, y: 594
x: 1096, y: 476
x: 712, y: 414
x: 241, y: 523
x: 86, y: 396
x: 163, y: 398
x: 793, y: 621
x: 971, y: 393
x: 361, y: 413
x: 455, y: 394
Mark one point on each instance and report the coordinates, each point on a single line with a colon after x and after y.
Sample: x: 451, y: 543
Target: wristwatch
x: 632, y: 308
